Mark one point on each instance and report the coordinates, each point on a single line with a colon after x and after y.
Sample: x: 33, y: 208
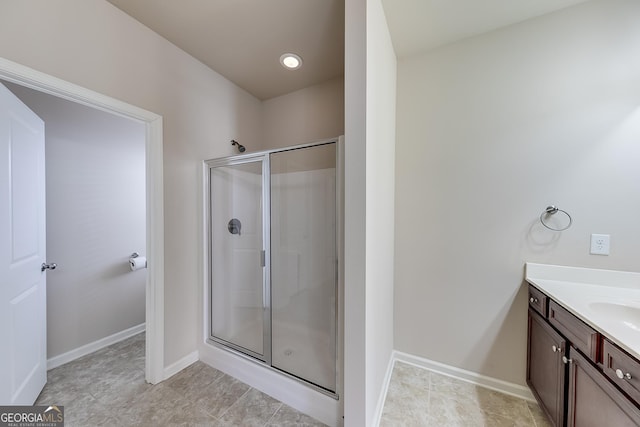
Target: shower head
x: 240, y: 146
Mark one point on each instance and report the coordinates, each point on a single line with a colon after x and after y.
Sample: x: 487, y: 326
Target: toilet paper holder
x: 137, y: 262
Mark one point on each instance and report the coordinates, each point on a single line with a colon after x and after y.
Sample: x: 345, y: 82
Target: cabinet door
x: 546, y: 372
x: 593, y: 401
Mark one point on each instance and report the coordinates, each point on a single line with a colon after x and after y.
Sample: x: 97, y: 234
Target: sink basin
x: 629, y: 315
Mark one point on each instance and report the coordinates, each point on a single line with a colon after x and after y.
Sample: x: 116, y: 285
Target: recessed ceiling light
x: 291, y: 61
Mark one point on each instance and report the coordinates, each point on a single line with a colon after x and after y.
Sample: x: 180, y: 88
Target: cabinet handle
x: 533, y: 300
x: 556, y: 349
x: 565, y: 360
x: 623, y: 375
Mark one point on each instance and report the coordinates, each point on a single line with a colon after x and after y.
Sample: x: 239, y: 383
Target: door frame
x: 154, y: 289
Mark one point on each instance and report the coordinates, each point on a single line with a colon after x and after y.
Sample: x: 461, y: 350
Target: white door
x: 23, y: 365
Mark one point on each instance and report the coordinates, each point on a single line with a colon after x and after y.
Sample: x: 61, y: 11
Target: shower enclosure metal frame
x: 265, y: 359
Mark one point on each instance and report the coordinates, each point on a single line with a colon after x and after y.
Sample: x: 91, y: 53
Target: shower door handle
x: 263, y: 258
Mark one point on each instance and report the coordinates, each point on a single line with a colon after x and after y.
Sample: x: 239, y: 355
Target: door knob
x: 51, y: 266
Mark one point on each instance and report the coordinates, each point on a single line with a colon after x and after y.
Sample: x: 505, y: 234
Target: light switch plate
x: 600, y: 244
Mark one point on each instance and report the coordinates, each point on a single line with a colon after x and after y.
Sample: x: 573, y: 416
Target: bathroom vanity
x: 583, y: 355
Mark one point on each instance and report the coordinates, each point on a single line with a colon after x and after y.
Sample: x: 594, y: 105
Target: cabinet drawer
x: 616, y: 363
x: 538, y: 301
x: 578, y: 333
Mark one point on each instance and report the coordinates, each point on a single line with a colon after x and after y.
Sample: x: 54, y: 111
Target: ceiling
x: 420, y: 25
x: 243, y: 39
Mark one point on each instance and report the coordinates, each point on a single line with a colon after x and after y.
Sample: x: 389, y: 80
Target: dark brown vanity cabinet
x: 579, y: 378
x: 546, y: 371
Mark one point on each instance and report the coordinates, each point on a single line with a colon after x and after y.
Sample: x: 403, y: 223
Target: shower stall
x: 273, y: 259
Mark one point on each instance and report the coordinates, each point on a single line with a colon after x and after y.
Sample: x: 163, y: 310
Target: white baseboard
x: 377, y: 416
x: 276, y: 385
x: 179, y: 365
x: 74, y: 354
x: 464, y: 375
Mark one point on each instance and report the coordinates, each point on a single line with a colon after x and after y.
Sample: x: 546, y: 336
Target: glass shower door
x: 304, y: 263
x: 237, y: 257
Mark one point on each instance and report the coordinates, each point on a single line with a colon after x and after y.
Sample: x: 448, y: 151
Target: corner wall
x: 380, y: 154
x: 354, y: 397
x: 491, y: 130
x: 369, y: 208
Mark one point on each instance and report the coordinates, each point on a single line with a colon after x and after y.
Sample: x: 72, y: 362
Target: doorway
x: 95, y: 221
x: 154, y: 287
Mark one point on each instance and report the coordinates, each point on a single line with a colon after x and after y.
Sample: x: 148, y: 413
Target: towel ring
x: 552, y: 210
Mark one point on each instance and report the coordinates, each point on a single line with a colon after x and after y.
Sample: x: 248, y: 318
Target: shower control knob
x: 51, y: 266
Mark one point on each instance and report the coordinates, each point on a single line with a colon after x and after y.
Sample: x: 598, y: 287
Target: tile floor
x: 197, y: 396
x: 202, y: 396
x: 421, y: 398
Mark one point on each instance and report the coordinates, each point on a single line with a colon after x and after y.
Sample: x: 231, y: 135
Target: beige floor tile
x: 286, y: 416
x: 408, y: 395
x: 450, y: 402
x: 191, y: 382
x: 409, y: 375
x: 492, y: 420
x: 412, y: 417
x: 116, y: 389
x: 493, y: 402
x: 87, y: 411
x: 454, y: 410
x: 156, y: 406
x: 108, y: 388
x: 192, y: 419
x: 254, y: 408
x: 219, y: 396
x: 538, y: 415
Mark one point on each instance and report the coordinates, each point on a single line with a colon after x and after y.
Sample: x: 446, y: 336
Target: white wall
x: 95, y: 165
x: 306, y: 115
x: 491, y: 130
x: 93, y: 44
x: 380, y: 155
x: 354, y: 399
x: 369, y: 208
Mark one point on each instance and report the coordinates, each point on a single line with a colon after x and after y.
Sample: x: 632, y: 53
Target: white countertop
x: 606, y: 300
